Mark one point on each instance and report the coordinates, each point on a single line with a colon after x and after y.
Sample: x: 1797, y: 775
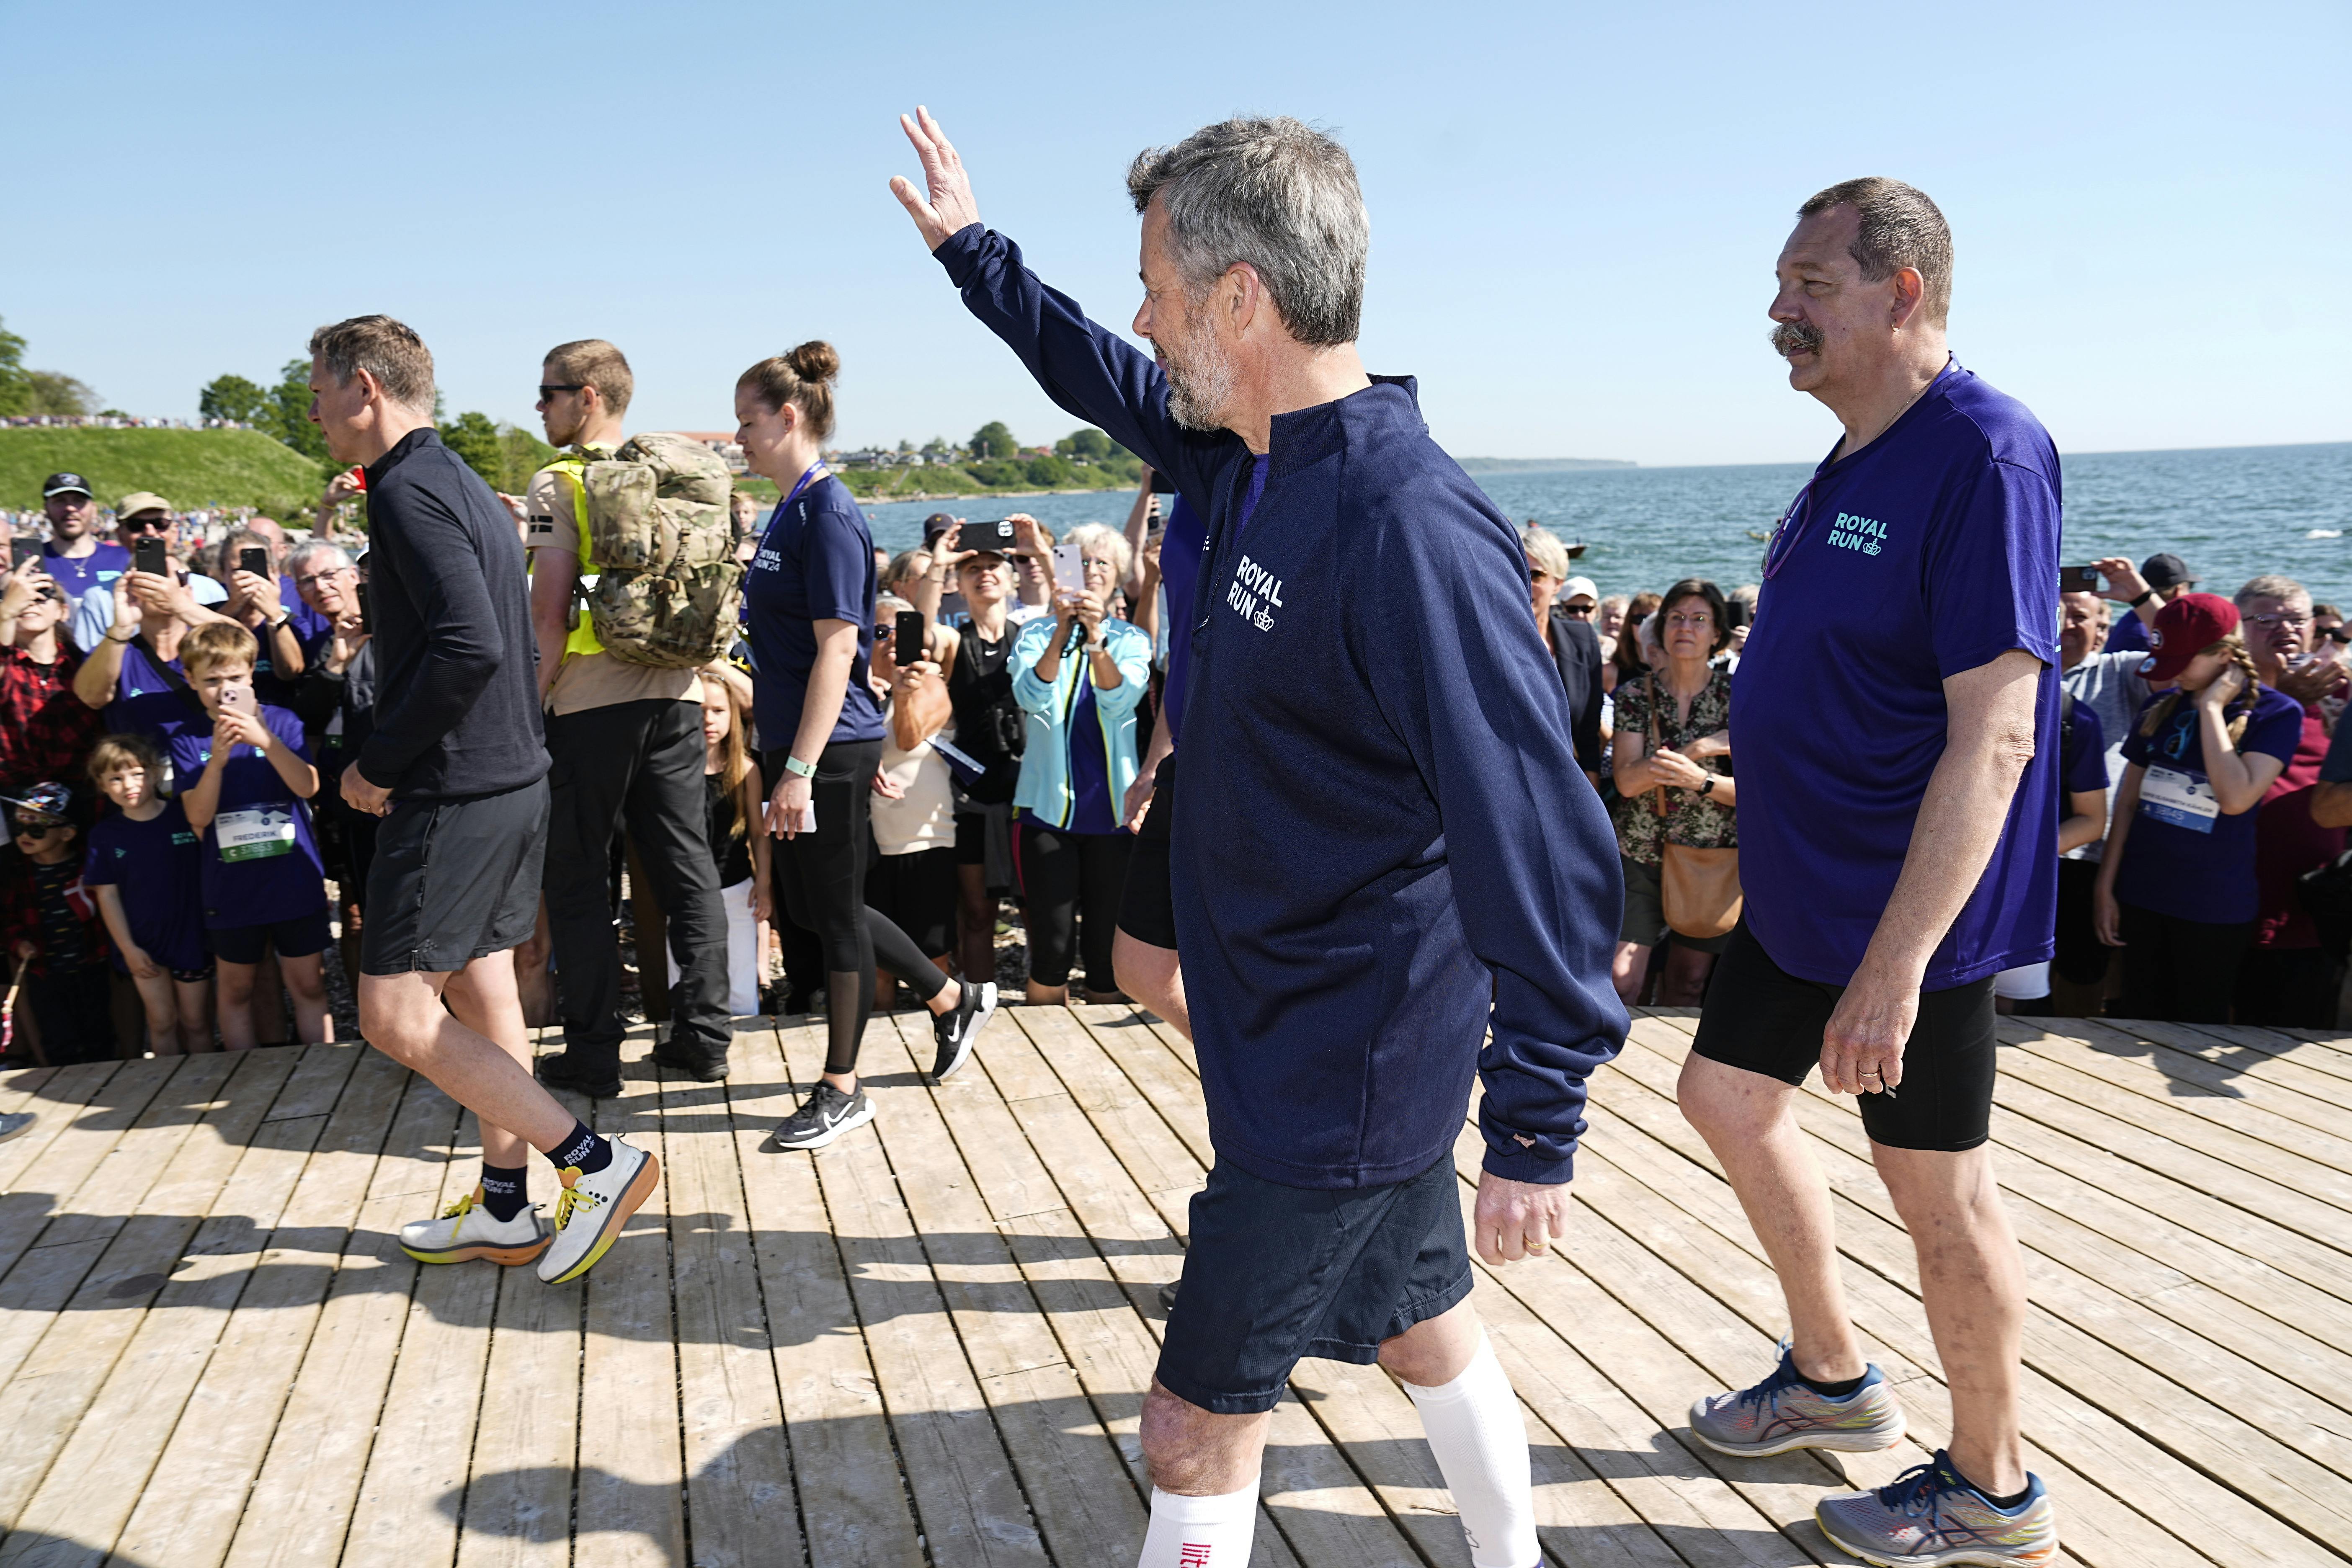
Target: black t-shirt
x: 65, y: 936
x: 730, y: 850
x: 989, y: 725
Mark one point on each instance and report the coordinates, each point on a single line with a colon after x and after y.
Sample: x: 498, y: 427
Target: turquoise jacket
x: 1044, y: 788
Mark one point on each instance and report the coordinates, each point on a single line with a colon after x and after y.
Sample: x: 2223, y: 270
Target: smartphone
x: 27, y: 550
x: 1162, y: 485
x: 1735, y: 613
x: 240, y: 697
x: 149, y: 556
x: 996, y: 535
x: 359, y: 479
x: 2078, y: 579
x: 254, y: 558
x: 907, y: 643
x: 367, y: 610
x: 1069, y: 567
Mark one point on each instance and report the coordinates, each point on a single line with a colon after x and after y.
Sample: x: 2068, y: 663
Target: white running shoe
x: 590, y: 1213
x: 467, y: 1230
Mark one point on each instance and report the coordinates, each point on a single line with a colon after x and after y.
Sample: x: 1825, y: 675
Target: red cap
x: 2185, y: 628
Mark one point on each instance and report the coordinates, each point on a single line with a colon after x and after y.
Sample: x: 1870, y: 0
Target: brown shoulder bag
x: 1700, y: 888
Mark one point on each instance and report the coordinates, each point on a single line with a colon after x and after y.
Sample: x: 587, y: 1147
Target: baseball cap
x: 65, y: 484
x: 141, y: 500
x: 2166, y: 572
x: 1575, y: 585
x: 42, y: 800
x: 2183, y: 629
x: 939, y: 522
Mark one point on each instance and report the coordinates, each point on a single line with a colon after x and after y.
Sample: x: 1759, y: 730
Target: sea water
x: 2232, y: 513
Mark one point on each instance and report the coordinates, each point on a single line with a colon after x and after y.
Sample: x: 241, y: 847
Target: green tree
x: 12, y: 389
x: 234, y: 398
x: 1090, y: 446
x: 473, y: 438
x: 993, y: 440
x: 1052, y: 471
x: 54, y: 391
x: 289, y: 416
x: 998, y: 473
x: 522, y: 455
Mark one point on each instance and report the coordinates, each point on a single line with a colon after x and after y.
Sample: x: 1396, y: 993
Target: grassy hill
x: 186, y: 468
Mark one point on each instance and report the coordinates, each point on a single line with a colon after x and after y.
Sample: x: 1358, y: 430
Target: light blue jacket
x: 1046, y: 789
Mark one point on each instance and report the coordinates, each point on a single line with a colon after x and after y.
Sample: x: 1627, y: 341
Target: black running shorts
x: 1763, y: 1020
x: 1274, y: 1274
x: 454, y: 880
x: 1147, y: 911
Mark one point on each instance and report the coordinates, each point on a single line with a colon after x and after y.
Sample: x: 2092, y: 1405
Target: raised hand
x: 946, y: 203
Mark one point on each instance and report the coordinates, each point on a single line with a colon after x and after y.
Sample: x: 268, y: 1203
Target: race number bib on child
x: 2184, y: 800
x: 254, y: 835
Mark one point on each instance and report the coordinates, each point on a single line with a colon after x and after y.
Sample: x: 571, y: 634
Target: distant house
x: 723, y: 443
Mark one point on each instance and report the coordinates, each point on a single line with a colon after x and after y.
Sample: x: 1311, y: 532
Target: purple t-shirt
x: 144, y: 702
x: 1932, y: 551
x: 2127, y: 634
x: 158, y: 867
x: 2184, y: 858
x: 260, y: 859
x: 1180, y: 573
x: 815, y: 562
x: 76, y: 576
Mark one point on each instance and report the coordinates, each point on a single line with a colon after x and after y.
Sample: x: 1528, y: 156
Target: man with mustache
x: 1897, y: 818
x: 1372, y: 721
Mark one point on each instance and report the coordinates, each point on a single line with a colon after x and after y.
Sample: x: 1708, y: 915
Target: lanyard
x: 814, y: 470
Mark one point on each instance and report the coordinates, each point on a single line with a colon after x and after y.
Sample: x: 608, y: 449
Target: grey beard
x: 1198, y: 392
x: 1789, y: 337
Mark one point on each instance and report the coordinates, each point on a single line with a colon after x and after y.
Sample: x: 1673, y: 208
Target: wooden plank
x: 196, y: 1398
x: 1155, y: 1159
x: 954, y: 1462
x: 45, y: 1190
x: 739, y: 1480
x: 2295, y: 1092
x: 60, y: 1100
x: 854, y: 1511
x: 630, y: 1507
x: 299, y: 1506
x: 119, y: 1175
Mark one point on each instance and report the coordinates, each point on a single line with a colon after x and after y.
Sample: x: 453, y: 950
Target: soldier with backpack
x: 634, y: 589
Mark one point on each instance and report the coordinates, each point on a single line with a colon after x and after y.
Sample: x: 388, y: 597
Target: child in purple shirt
x: 244, y: 784
x: 145, y: 865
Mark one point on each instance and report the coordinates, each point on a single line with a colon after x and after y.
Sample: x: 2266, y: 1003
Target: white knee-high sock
x: 1201, y: 1531
x: 1473, y: 1428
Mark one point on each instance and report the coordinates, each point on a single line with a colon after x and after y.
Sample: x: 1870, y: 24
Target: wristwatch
x: 1708, y: 788
x: 2146, y: 595
x: 283, y: 617
x: 798, y: 768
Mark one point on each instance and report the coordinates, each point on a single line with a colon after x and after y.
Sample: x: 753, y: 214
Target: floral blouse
x: 1702, y: 822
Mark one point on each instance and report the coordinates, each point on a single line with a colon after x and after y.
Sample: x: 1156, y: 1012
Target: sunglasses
x: 546, y: 392
x: 28, y: 829
x: 144, y: 524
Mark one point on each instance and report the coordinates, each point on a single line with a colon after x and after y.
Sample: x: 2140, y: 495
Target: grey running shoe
x: 1781, y: 1413
x: 1927, y: 1517
x: 15, y: 1123
x: 823, y: 1116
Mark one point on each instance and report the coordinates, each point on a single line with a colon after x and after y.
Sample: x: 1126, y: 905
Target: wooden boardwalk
x: 929, y: 1343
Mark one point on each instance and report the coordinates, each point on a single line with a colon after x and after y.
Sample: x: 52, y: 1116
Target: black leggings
x: 2177, y: 971
x: 821, y: 878
x: 1071, y: 884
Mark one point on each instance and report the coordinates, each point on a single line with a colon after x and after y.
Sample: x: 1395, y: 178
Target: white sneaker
x: 465, y: 1231
x: 590, y: 1213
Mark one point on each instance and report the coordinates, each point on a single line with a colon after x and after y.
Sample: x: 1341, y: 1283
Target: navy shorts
x: 296, y: 938
x: 454, y: 880
x: 1761, y: 1018
x: 1146, y: 910
x: 1276, y: 1274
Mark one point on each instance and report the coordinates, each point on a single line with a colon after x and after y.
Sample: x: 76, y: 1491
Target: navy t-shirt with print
x: 2183, y: 856
x: 1932, y: 551
x: 815, y: 562
x: 2081, y: 756
x: 145, y: 703
x: 260, y: 858
x: 158, y: 867
x: 76, y: 576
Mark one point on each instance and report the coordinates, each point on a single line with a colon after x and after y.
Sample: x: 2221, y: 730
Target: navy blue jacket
x: 1383, y: 845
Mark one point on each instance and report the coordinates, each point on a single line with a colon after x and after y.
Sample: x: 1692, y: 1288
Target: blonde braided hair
x: 2242, y: 707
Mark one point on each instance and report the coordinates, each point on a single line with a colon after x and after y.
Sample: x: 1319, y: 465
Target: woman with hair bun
x: 809, y: 595
x: 2182, y: 902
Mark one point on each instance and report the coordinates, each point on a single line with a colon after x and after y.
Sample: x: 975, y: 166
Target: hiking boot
x: 465, y: 1231
x: 1928, y: 1516
x: 593, y: 1207
x: 1781, y: 1413
x: 823, y: 1116
x: 956, y: 1029
x: 702, y: 1069
x: 569, y: 1071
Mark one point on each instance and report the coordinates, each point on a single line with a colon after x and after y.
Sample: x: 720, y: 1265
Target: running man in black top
x: 457, y: 768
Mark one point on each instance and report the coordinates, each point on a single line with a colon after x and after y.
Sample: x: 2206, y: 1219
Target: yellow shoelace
x: 460, y: 1209
x: 572, y: 1197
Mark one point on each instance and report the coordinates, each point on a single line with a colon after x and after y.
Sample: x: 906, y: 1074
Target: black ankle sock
x: 505, y: 1192
x: 2009, y: 1504
x: 582, y: 1150
x: 1832, y: 1390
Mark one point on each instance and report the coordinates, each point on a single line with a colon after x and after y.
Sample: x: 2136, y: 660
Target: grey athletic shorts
x: 454, y: 880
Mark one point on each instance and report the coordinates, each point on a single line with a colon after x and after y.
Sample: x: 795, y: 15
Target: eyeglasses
x: 1702, y: 621
x: 2281, y: 619
x: 1576, y: 610
x: 546, y: 392
x: 315, y: 578
x: 144, y: 524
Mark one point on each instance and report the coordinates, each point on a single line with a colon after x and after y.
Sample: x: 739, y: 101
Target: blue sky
x: 1574, y: 208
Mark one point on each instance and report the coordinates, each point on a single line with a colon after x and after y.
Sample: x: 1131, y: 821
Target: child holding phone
x: 146, y: 864
x: 247, y: 783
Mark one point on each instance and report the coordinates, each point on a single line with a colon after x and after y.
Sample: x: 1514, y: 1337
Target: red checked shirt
x: 46, y: 732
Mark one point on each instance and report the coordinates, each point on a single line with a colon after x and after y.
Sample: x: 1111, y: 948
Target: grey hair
x: 2271, y: 587
x: 1092, y: 535
x: 315, y: 548
x: 1900, y: 227
x: 1277, y: 193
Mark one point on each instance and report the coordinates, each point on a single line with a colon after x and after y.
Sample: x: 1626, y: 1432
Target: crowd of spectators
x: 171, y: 744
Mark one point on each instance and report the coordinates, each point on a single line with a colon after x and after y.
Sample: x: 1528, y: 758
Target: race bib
x: 2184, y: 800
x: 254, y: 835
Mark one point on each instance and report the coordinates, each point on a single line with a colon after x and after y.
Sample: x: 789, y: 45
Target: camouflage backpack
x: 668, y: 586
